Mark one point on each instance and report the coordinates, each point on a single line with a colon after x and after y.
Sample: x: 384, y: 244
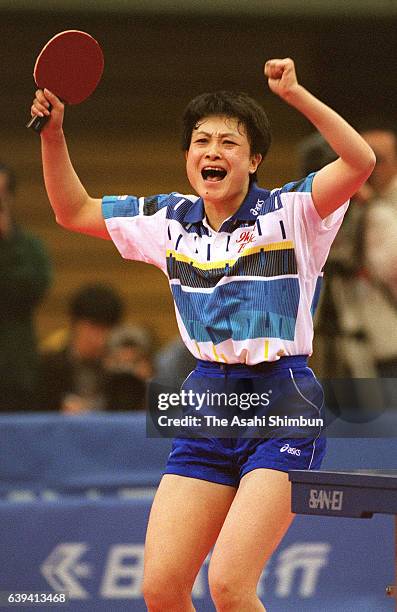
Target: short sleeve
x: 313, y: 236
x: 137, y: 226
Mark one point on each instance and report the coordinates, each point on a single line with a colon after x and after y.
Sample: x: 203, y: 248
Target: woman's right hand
x: 46, y: 104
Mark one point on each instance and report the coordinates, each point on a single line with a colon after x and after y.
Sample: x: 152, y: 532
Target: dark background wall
x: 154, y: 62
x: 125, y: 138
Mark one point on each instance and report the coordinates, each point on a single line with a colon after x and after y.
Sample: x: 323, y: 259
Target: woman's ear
x: 254, y: 162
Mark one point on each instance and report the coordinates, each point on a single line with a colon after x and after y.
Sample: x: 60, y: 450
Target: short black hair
x: 97, y: 303
x: 237, y: 105
x: 11, y: 177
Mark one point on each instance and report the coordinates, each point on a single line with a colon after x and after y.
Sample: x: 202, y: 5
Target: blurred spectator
x: 173, y: 364
x: 314, y: 153
x: 73, y: 379
x: 128, y: 364
x: 341, y: 346
x: 25, y: 274
x: 378, y: 251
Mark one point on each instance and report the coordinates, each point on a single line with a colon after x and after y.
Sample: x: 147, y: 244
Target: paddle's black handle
x: 37, y: 123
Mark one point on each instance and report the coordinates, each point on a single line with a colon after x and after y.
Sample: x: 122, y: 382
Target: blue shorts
x: 225, y: 460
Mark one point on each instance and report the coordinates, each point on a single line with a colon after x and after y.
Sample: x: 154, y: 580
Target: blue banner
x: 75, y: 493
x: 94, y: 551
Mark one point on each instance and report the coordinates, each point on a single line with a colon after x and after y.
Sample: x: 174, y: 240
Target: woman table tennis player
x: 244, y: 265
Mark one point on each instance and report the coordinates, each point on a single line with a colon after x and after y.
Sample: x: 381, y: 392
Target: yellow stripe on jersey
x: 218, y: 357
x: 215, y: 353
x: 266, y: 353
x: 198, y: 348
x: 211, y: 265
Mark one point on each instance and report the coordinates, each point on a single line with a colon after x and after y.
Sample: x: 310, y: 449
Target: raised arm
x: 339, y: 180
x: 74, y: 209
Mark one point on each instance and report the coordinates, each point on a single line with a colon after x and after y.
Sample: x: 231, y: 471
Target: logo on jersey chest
x: 245, y: 237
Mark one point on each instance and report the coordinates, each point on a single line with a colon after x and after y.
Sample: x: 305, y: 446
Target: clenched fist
x: 281, y: 76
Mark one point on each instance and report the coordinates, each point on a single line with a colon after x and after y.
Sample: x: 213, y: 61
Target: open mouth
x: 213, y: 174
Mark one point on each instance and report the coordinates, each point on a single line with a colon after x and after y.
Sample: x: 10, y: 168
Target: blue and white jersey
x: 246, y: 293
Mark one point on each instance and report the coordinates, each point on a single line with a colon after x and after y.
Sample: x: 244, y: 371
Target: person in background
x: 129, y: 366
x: 173, y: 364
x: 72, y: 379
x: 342, y: 347
x: 378, y: 250
x: 25, y: 276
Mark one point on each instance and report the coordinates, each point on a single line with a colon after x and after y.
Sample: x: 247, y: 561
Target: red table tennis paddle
x: 70, y: 65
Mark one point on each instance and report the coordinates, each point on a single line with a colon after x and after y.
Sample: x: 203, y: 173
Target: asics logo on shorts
x: 290, y: 450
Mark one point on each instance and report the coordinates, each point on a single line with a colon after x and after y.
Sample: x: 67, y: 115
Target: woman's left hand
x: 281, y: 76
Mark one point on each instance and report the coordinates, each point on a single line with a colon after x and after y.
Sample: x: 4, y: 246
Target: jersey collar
x: 248, y: 211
